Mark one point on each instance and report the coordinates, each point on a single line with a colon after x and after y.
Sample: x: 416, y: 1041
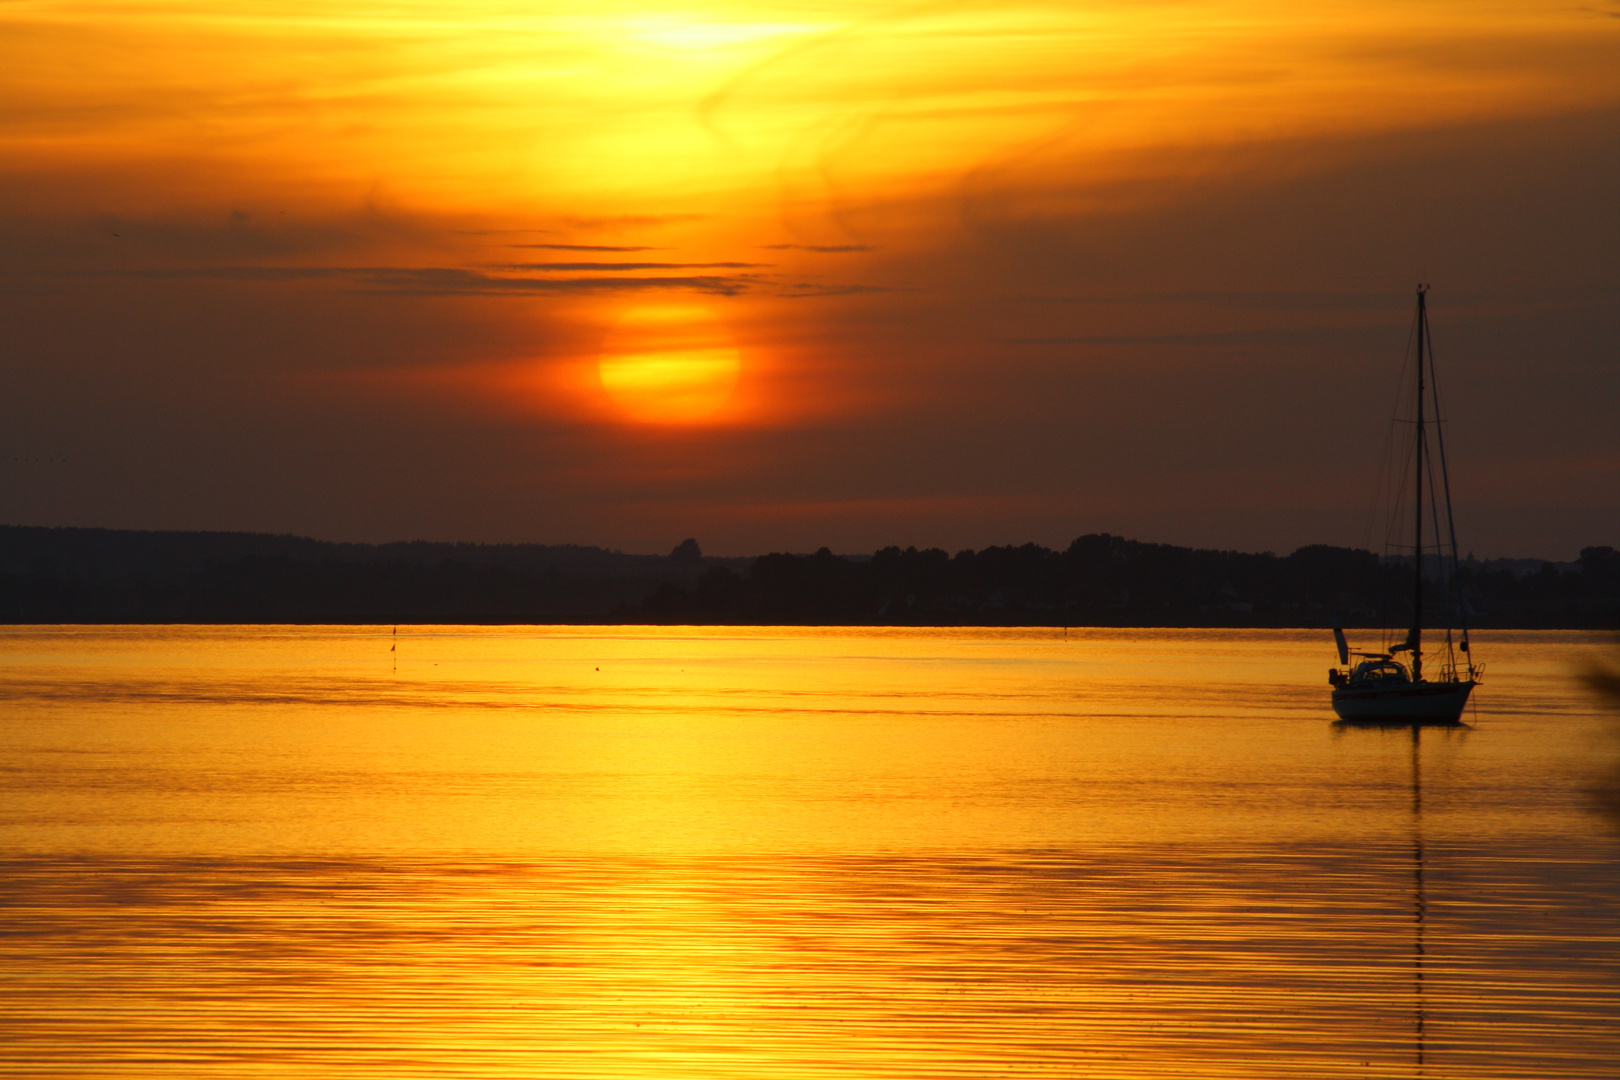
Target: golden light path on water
x: 628, y: 852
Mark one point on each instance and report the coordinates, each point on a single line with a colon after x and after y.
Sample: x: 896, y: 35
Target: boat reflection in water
x: 1419, y: 897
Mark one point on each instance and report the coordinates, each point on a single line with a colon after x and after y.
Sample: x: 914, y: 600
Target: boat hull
x: 1422, y: 701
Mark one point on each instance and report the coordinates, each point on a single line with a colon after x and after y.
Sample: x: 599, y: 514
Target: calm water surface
x: 632, y: 852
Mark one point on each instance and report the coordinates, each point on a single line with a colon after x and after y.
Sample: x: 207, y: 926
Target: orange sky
x: 785, y: 275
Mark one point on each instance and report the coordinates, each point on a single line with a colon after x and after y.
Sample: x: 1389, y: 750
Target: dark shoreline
x: 104, y: 576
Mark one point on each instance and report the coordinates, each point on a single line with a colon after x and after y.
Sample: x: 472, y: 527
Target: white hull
x: 1405, y: 701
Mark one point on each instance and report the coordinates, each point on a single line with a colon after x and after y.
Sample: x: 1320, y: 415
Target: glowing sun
x: 669, y: 364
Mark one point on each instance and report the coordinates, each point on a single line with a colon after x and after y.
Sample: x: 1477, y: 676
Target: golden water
x: 631, y: 852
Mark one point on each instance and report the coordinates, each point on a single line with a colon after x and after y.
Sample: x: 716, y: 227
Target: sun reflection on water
x: 697, y: 853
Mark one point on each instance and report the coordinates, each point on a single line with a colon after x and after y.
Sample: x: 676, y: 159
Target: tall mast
x: 1416, y: 637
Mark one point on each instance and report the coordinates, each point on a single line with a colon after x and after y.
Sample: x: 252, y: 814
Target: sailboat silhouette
x: 1378, y: 686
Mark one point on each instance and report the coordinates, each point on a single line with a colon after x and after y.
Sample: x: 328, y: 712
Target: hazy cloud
x: 585, y: 247
x: 633, y: 221
x: 1152, y: 281
x: 826, y: 249
x: 809, y: 289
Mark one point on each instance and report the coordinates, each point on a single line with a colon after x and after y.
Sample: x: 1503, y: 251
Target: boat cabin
x: 1379, y: 671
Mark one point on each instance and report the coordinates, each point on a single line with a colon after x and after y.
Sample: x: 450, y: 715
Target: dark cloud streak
x: 586, y: 266
x: 1292, y: 337
x: 429, y: 281
x: 1279, y: 301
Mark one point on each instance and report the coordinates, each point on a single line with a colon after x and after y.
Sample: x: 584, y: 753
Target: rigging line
x: 1439, y: 557
x: 1391, y: 480
x: 1387, y: 459
x: 1396, y: 532
x: 1445, y: 483
x: 1434, y: 515
x: 1416, y: 637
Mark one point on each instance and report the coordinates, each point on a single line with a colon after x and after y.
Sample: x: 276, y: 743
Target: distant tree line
x: 1103, y: 580
x: 101, y: 576
x: 114, y: 575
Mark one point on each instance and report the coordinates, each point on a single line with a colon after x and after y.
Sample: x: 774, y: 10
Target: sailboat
x: 1380, y: 688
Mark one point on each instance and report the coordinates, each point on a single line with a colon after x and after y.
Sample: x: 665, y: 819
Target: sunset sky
x: 780, y: 275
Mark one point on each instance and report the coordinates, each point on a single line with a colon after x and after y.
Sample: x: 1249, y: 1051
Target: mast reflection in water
x: 1419, y: 896
x: 1419, y: 901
